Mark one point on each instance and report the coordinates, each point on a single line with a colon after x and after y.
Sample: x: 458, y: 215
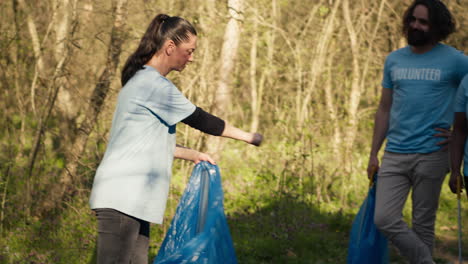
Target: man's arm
x: 382, y: 118
x: 446, y: 134
x: 456, y: 149
x: 185, y: 153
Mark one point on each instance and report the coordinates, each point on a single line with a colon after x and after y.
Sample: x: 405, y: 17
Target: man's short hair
x: 441, y: 21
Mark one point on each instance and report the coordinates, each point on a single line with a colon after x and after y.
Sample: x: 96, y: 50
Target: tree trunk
x: 355, y: 93
x: 65, y: 104
x: 14, y: 54
x: 253, y: 78
x: 368, y: 56
x: 222, y: 98
x: 257, y: 90
x: 318, y: 62
x: 332, y: 109
x: 39, y: 69
x: 57, y: 81
x: 93, y: 109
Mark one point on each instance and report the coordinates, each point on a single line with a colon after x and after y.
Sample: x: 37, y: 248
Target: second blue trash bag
x: 366, y: 244
x: 199, y: 232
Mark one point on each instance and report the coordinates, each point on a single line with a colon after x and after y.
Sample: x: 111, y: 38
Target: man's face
x: 419, y: 29
x: 183, y: 53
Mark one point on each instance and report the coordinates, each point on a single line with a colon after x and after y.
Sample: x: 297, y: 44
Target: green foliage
x: 297, y: 193
x: 289, y: 225
x: 65, y: 238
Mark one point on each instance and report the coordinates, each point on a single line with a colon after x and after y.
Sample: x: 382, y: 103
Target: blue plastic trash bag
x: 199, y: 232
x: 366, y: 244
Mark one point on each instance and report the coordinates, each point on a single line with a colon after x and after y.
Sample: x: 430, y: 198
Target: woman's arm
x: 215, y: 126
x: 239, y: 134
x: 185, y: 153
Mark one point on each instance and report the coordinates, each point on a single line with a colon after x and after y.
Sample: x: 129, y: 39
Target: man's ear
x: 169, y: 47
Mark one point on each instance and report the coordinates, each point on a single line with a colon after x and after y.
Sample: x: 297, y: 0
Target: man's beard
x: 418, y: 38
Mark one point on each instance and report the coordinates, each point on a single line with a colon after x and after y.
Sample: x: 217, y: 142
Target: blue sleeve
x: 462, y: 93
x: 387, y: 75
x: 462, y: 66
x: 169, y: 104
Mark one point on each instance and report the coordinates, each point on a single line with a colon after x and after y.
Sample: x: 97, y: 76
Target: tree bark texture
x: 222, y: 100
x: 93, y: 109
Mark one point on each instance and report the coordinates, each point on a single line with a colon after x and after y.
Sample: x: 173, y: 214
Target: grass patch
x: 270, y: 219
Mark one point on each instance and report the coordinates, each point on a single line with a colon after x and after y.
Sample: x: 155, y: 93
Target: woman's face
x: 183, y: 53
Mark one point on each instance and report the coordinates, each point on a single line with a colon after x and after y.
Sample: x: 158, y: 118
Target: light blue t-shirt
x: 461, y: 106
x: 424, y: 88
x: 134, y: 174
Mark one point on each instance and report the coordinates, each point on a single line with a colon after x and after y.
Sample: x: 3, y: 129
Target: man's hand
x: 454, y: 176
x: 373, y: 166
x: 444, y: 133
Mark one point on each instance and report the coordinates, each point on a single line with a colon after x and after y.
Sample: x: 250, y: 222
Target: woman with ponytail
x: 131, y: 184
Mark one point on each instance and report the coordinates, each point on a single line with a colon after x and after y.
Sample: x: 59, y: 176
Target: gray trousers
x: 122, y: 239
x: 424, y: 174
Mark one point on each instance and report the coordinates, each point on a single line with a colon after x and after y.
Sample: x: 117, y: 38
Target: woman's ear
x: 169, y: 47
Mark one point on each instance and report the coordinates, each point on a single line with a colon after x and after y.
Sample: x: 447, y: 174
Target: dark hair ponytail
x: 161, y: 28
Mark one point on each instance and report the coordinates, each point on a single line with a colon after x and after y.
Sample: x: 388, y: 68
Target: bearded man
x: 414, y: 116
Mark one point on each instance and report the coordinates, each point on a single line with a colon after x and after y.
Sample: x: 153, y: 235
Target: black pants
x: 122, y: 239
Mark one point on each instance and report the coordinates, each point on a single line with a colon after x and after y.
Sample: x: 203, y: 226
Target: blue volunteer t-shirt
x: 461, y: 106
x: 135, y: 172
x: 424, y: 88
